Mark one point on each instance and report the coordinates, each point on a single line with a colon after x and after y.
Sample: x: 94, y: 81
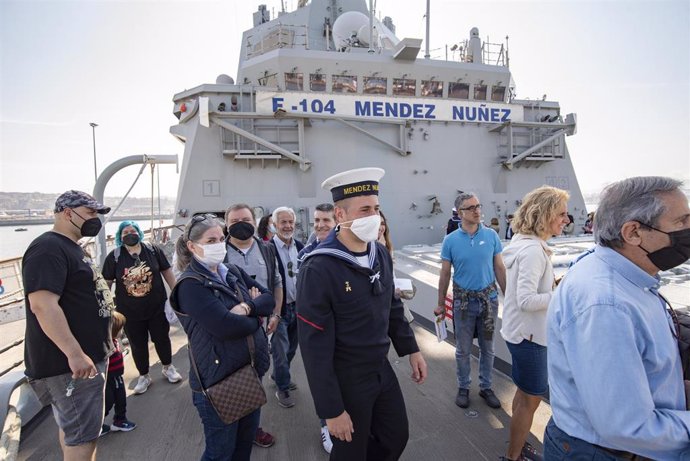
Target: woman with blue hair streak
x: 138, y: 269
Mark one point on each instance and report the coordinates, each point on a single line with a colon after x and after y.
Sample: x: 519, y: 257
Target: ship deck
x: 168, y: 426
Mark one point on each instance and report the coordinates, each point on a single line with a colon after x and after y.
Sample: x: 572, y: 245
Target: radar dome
x: 348, y: 26
x: 364, y: 38
x: 224, y: 79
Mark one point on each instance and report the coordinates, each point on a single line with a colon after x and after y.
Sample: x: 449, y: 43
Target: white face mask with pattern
x: 366, y: 229
x: 214, y: 253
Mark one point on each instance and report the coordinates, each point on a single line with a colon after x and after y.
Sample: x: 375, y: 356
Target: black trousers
x: 377, y: 409
x: 115, y: 394
x: 138, y: 333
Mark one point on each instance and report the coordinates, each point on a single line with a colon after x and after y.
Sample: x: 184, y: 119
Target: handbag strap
x: 250, y: 338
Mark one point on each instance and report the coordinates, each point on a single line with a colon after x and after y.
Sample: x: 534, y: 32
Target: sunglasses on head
x: 197, y: 219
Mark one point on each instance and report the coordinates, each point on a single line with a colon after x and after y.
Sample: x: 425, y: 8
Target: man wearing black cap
x: 348, y: 316
x: 68, y: 308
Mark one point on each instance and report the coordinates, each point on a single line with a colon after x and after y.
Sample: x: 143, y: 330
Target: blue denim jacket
x: 614, y: 369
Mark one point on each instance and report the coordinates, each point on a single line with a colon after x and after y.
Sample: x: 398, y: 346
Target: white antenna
x: 428, y: 23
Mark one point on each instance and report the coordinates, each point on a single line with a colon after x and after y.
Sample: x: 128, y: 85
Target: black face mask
x: 90, y: 227
x: 674, y: 255
x: 130, y: 239
x: 241, y: 230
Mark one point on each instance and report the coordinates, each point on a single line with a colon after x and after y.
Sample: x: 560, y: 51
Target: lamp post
x: 95, y: 170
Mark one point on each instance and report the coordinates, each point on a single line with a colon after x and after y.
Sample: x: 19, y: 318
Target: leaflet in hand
x: 441, y: 332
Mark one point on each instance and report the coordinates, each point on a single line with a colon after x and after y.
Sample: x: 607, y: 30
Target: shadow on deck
x: 168, y: 426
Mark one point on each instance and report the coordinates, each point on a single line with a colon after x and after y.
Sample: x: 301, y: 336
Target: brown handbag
x: 238, y: 394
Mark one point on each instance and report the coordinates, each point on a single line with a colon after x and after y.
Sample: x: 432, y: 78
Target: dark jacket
x: 268, y: 252
x: 216, y: 336
x: 281, y: 269
x: 347, y: 318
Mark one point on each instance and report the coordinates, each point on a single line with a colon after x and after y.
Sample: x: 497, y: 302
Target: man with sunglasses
x: 474, y: 251
x: 68, y: 314
x: 284, y: 340
x: 615, y: 373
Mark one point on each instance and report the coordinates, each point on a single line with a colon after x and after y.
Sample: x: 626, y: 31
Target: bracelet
x: 246, y: 308
x: 276, y: 316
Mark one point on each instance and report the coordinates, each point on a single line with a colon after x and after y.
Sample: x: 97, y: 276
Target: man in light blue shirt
x: 615, y: 374
x: 474, y: 252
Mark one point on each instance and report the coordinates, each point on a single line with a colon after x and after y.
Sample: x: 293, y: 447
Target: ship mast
x: 428, y: 22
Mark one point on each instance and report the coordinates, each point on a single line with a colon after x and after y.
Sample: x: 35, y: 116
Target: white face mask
x: 366, y: 229
x: 214, y: 253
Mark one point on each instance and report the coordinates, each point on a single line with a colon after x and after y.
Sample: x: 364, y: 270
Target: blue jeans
x: 284, y: 347
x: 558, y: 445
x: 225, y: 442
x: 464, y: 332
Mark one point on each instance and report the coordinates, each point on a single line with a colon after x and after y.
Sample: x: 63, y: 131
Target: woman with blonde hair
x: 529, y: 285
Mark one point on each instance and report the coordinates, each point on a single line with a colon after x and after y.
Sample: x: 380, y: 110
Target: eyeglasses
x: 197, y: 219
x: 289, y: 267
x: 472, y: 208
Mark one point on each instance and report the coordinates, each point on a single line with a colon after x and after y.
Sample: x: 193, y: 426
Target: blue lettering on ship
x: 394, y: 109
x: 480, y: 114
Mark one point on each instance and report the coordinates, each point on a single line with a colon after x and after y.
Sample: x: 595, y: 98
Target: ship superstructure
x: 329, y: 87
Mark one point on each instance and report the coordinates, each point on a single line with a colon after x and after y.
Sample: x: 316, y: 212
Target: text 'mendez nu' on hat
x: 353, y: 183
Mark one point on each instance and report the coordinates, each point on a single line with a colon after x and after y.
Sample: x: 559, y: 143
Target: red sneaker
x: 263, y: 439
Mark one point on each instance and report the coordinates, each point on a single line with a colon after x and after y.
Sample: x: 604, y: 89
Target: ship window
x: 498, y: 93
x: 375, y: 85
x: 317, y: 82
x: 294, y: 81
x: 459, y: 90
x: 432, y: 89
x: 344, y: 84
x: 404, y: 86
x: 480, y: 92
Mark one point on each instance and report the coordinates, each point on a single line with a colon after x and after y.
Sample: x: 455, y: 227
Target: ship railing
x: 494, y: 54
x: 275, y: 37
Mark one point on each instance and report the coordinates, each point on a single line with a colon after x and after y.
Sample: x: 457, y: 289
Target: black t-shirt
x: 55, y: 263
x: 139, y: 290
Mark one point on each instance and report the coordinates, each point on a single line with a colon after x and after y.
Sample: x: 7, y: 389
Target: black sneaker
x: 463, y: 398
x: 105, y: 429
x: 529, y: 453
x: 490, y: 397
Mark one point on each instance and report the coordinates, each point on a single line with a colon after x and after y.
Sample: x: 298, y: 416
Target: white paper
x: 441, y: 331
x: 403, y: 284
x: 203, y: 111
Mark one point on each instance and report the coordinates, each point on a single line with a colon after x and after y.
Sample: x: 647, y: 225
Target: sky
x: 622, y: 66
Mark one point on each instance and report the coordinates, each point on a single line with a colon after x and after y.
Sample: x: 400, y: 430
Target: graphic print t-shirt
x: 56, y: 264
x: 139, y: 289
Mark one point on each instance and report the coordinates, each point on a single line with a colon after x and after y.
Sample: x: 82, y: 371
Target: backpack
x: 682, y: 321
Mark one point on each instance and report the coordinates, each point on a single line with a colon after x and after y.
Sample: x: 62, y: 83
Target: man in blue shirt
x: 615, y: 374
x: 474, y: 251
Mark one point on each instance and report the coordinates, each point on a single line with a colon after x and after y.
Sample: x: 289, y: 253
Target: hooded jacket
x: 529, y: 285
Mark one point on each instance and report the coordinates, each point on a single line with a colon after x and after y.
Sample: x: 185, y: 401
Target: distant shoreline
x: 39, y: 221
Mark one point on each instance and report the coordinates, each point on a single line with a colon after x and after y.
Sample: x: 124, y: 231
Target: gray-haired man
x: 615, y: 374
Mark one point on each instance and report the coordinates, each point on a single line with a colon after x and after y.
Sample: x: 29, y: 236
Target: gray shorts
x: 80, y: 415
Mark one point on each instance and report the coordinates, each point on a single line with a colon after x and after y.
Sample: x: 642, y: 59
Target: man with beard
x: 68, y: 313
x: 348, y: 316
x: 258, y: 259
x: 284, y: 340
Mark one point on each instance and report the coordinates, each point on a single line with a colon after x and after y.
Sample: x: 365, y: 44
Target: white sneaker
x: 143, y: 384
x: 171, y: 373
x: 326, y: 440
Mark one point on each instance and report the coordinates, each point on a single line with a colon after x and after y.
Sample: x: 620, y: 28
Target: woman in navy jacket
x: 219, y: 307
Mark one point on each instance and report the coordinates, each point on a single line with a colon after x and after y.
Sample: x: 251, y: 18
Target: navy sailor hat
x: 352, y: 183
